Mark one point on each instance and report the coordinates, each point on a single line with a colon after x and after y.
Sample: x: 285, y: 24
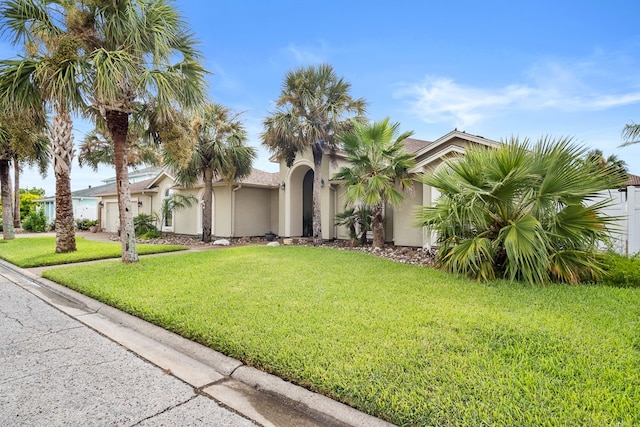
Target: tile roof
x: 634, y: 180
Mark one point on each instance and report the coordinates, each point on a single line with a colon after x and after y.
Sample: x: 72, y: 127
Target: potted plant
x: 270, y: 236
x: 93, y: 226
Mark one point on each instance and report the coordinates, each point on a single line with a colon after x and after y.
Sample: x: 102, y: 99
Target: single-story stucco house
x: 247, y: 207
x: 281, y: 202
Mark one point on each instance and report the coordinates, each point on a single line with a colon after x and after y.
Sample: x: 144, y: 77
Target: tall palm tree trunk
x: 377, y: 226
x: 317, y: 217
x: 62, y: 157
x: 118, y: 124
x: 7, y: 211
x: 16, y: 194
x: 208, y: 205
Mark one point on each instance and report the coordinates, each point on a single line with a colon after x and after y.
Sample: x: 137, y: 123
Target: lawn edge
x: 80, y: 306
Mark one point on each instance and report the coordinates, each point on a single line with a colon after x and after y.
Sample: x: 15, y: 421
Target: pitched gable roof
x: 134, y: 187
x: 92, y: 191
x: 260, y: 178
x: 257, y: 178
x: 413, y: 145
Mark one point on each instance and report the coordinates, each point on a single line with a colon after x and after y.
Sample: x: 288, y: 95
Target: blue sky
x: 494, y: 68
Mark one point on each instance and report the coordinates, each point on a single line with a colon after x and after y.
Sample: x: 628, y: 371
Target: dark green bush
x: 152, y: 234
x: 144, y: 223
x: 35, y: 222
x: 622, y: 271
x: 84, y: 223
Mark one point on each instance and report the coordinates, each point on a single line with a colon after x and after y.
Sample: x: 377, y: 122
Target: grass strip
x: 408, y: 344
x: 29, y: 252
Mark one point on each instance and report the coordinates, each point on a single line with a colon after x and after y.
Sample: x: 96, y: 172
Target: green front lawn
x: 408, y: 344
x: 28, y: 252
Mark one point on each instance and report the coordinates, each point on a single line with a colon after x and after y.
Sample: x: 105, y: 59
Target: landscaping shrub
x: 152, y: 234
x: 622, y: 271
x: 521, y: 212
x: 35, y: 222
x: 84, y: 223
x: 145, y: 223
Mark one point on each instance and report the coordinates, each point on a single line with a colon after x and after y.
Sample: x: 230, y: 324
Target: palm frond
x: 631, y: 134
x: 537, y: 204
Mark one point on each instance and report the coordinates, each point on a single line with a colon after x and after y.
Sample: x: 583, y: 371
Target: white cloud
x: 302, y: 55
x: 443, y: 100
x: 308, y: 55
x: 221, y: 80
x: 552, y: 86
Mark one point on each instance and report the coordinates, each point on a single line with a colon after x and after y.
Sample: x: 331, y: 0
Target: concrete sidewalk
x: 66, y: 359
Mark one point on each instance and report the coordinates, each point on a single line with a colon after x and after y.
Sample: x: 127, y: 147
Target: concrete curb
x: 205, y: 369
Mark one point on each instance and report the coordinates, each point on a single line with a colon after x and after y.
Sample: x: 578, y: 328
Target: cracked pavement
x: 56, y: 371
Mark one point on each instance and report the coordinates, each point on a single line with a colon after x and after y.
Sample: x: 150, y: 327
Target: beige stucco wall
x: 342, y: 232
x: 109, y: 214
x: 222, y: 210
x: 274, y: 195
x: 185, y: 221
x: 404, y: 233
x: 253, y: 212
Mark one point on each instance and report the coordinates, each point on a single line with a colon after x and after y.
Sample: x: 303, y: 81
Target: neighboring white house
x: 86, y: 201
x: 626, y: 207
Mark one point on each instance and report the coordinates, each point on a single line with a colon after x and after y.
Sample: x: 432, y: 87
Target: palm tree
x: 378, y: 170
x: 21, y: 138
x: 521, y: 212
x: 173, y: 203
x: 597, y: 159
x: 219, y: 153
x: 144, y: 55
x: 631, y: 134
x: 97, y: 149
x: 38, y: 157
x: 5, y: 184
x: 310, y: 112
x: 358, y: 220
x: 48, y: 74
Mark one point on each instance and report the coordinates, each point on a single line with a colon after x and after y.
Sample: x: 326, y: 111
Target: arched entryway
x: 299, y: 200
x: 307, y: 204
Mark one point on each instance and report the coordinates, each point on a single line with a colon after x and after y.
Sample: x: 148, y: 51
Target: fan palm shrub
x: 525, y: 211
x: 378, y: 169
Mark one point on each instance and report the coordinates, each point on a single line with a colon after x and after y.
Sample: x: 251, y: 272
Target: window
x: 168, y: 208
